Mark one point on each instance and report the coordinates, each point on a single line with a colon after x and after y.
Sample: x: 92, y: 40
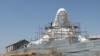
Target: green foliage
x: 56, y: 53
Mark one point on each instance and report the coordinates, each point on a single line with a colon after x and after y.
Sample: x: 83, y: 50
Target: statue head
x: 61, y: 18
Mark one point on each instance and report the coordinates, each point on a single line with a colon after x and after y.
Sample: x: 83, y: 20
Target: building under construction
x: 61, y: 38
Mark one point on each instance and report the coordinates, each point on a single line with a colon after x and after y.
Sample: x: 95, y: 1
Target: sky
x: 21, y: 19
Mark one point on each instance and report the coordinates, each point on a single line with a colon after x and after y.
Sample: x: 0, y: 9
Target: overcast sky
x: 20, y: 19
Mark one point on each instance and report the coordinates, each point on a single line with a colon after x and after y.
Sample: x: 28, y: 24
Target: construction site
x: 61, y: 38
